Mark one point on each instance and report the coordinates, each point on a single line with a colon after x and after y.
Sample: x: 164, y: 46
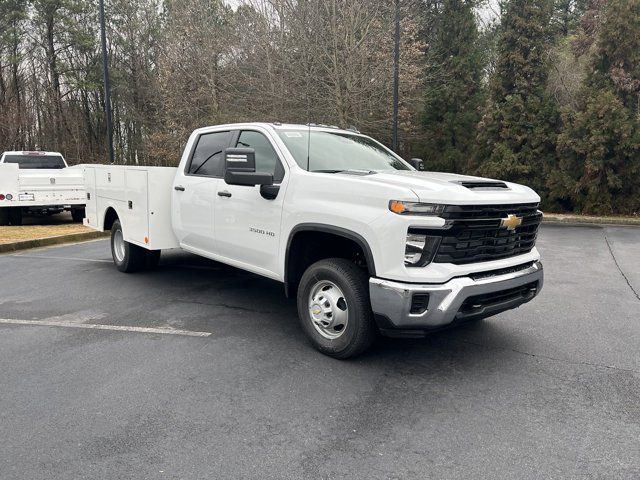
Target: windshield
x: 336, y: 152
x: 36, y: 161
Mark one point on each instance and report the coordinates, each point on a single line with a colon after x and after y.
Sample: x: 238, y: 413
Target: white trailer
x: 41, y: 183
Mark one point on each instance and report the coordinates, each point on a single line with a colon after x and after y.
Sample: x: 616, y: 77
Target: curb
x: 45, y: 242
x: 573, y: 220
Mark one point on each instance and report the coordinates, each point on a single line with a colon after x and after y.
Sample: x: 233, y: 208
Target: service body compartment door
x: 110, y: 182
x: 91, y: 207
x: 136, y: 216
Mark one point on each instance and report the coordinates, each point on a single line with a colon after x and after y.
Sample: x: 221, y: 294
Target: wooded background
x: 542, y: 92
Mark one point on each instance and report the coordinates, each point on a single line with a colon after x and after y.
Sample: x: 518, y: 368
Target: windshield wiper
x: 354, y: 171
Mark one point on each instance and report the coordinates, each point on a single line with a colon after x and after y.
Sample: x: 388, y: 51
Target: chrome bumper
x: 392, y: 301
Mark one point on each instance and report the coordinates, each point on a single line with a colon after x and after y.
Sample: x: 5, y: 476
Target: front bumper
x: 464, y: 298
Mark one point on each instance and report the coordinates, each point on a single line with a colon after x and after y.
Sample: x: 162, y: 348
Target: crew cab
x: 364, y: 240
x: 39, y: 183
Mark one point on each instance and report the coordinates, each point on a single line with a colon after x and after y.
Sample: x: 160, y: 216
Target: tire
x: 152, y: 258
x: 15, y: 216
x: 339, y: 288
x: 127, y: 257
x: 77, y: 214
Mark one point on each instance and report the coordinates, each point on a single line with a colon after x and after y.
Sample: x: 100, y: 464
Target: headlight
x: 420, y: 249
x: 415, y: 208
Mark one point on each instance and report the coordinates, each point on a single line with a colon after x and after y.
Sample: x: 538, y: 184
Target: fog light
x: 420, y: 249
x: 419, y: 303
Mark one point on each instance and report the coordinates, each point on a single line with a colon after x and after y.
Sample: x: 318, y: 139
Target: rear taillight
x: 1, y: 196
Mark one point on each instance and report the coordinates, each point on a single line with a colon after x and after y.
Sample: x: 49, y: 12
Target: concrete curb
x: 572, y: 220
x: 45, y: 242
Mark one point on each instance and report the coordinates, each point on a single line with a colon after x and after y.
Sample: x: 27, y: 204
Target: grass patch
x: 13, y: 234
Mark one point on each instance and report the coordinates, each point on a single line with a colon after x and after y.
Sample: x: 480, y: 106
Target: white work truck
x: 366, y: 241
x: 39, y: 183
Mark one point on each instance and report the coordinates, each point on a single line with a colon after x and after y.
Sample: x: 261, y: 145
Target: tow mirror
x: 240, y: 168
x: 417, y: 163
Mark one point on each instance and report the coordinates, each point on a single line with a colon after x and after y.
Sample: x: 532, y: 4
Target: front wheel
x: 334, y: 308
x: 127, y: 256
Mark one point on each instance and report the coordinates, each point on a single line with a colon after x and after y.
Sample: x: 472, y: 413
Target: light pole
x: 396, y: 79
x: 107, y: 88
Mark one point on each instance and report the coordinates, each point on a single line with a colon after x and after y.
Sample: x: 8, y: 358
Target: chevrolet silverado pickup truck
x: 365, y: 241
x: 39, y: 183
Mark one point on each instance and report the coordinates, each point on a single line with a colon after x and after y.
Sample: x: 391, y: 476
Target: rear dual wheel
x: 128, y: 257
x: 77, y: 214
x: 15, y: 216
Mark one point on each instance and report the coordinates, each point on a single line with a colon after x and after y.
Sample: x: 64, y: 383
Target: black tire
x: 152, y: 259
x: 360, y: 330
x: 15, y: 216
x: 134, y: 257
x: 77, y: 214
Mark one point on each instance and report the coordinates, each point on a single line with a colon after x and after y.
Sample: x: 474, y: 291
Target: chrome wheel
x: 118, y: 246
x: 328, y: 309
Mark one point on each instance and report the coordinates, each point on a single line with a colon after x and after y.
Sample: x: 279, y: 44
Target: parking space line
x: 93, y: 326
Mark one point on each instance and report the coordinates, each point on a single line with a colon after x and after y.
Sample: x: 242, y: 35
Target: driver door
x: 247, y: 222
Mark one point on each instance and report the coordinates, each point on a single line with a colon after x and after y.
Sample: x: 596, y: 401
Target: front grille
x: 494, y: 300
x: 474, y: 233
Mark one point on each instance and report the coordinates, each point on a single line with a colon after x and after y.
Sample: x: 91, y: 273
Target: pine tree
x: 600, y: 145
x: 517, y: 133
x: 452, y: 101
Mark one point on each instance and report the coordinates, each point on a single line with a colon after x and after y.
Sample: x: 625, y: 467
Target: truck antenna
x: 309, y: 129
x: 309, y: 149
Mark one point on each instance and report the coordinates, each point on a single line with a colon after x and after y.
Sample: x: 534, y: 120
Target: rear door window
x: 208, y: 154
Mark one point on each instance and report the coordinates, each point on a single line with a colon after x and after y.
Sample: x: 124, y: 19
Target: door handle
x: 224, y: 194
x: 179, y: 188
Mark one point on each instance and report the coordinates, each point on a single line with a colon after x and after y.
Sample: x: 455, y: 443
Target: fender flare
x: 339, y: 231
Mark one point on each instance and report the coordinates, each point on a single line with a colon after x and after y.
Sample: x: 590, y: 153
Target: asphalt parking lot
x: 551, y: 390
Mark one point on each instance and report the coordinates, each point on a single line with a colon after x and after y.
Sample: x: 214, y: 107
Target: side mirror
x: 417, y: 163
x: 240, y: 168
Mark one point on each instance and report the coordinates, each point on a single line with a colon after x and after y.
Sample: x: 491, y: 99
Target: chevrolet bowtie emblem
x: 511, y: 222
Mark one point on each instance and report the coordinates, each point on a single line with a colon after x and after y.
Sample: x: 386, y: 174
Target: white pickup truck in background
x: 366, y: 242
x: 39, y: 183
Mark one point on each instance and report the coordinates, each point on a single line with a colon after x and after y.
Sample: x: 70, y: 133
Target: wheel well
x: 309, y: 246
x: 110, y: 216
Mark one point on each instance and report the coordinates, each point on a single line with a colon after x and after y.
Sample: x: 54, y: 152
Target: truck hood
x: 448, y: 188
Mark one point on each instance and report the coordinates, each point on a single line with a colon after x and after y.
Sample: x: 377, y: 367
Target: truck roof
x: 286, y: 126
